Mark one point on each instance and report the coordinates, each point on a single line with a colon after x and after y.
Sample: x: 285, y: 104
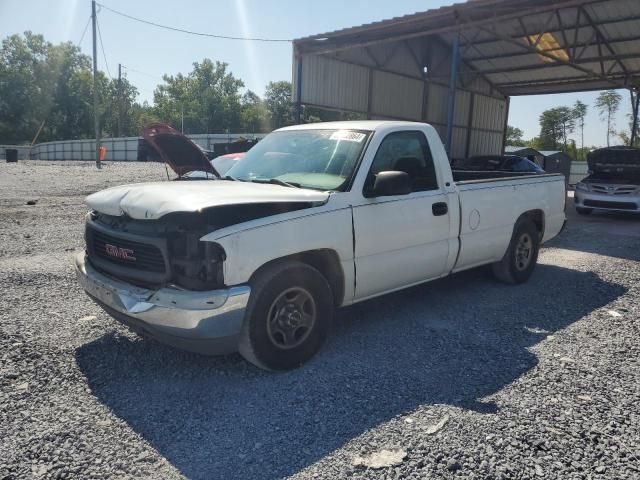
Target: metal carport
x: 456, y: 66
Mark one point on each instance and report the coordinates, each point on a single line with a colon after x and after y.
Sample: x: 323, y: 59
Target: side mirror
x: 390, y: 183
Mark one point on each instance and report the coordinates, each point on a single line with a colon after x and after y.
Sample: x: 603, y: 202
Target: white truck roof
x: 371, y: 125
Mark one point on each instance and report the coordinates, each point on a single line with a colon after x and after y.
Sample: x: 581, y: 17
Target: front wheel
x: 288, y: 316
x: 519, y: 261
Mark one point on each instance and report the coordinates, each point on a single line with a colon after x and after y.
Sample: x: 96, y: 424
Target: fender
x: 251, y: 244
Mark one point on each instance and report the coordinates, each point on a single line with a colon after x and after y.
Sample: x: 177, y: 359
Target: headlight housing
x: 583, y: 186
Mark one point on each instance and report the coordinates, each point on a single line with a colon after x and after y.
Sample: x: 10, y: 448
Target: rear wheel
x: 288, y: 316
x: 584, y: 211
x: 521, y: 256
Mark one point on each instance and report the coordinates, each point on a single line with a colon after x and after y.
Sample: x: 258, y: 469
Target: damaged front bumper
x: 204, y: 322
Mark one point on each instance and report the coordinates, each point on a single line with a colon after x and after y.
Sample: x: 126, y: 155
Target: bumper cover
x: 204, y: 322
x: 621, y: 203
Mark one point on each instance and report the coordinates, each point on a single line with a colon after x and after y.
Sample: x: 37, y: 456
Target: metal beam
x: 299, y: 92
x: 464, y: 64
x: 563, y: 33
x: 453, y: 85
x: 584, y: 46
x: 633, y: 76
x: 370, y: 94
x: 349, y: 43
x: 528, y: 32
x: 575, y: 33
x: 506, y: 124
x: 603, y: 39
x: 540, y: 66
x: 472, y: 101
x: 572, y: 65
x: 414, y: 57
x: 372, y: 57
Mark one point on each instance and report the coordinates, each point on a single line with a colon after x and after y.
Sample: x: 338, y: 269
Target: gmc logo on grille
x: 119, y: 252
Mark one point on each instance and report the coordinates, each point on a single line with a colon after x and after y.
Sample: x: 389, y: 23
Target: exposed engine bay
x: 168, y: 251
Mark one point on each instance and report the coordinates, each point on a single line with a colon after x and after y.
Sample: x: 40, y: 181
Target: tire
x: 521, y: 256
x: 584, y: 211
x: 288, y: 317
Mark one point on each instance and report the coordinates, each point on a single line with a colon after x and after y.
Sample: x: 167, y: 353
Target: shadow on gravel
x: 453, y: 342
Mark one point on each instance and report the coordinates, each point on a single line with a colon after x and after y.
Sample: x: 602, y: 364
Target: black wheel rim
x: 524, y: 251
x: 291, y: 318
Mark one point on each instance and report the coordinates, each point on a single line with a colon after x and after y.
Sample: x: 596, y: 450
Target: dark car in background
x: 497, y: 163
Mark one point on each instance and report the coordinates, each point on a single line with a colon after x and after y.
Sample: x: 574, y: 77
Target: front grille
x: 613, y: 190
x: 145, y: 257
x: 606, y: 204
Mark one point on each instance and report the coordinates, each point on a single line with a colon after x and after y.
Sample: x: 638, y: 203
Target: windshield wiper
x: 229, y: 177
x: 277, y: 181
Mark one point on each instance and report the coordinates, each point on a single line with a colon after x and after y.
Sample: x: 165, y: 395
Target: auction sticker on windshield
x: 347, y: 135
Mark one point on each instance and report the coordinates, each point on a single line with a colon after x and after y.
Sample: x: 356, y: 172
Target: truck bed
x: 460, y: 176
x: 490, y: 204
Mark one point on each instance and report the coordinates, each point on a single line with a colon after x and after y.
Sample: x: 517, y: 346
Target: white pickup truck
x: 314, y: 217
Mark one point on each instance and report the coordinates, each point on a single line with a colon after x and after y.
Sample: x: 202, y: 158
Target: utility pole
x: 119, y: 99
x: 95, y: 83
x: 182, y: 120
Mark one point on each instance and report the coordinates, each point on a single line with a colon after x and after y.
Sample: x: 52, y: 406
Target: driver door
x: 401, y: 239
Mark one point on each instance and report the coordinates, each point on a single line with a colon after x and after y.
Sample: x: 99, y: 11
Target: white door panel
x: 399, y: 242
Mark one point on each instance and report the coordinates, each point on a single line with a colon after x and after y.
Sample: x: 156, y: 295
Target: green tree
x: 140, y: 114
x: 514, y: 136
x: 209, y: 96
x: 607, y: 104
x: 48, y: 88
x: 567, y: 120
x: 550, y: 130
x: 555, y: 125
x: 253, y: 114
x: 37, y: 79
x: 580, y: 112
x: 117, y: 106
x: 277, y: 99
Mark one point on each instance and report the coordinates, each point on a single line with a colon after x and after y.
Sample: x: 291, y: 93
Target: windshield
x: 318, y: 159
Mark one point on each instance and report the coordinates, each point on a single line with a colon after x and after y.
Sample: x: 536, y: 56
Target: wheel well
x: 537, y: 217
x: 325, y: 261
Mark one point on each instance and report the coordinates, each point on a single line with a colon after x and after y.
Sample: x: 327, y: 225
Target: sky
x: 147, y: 52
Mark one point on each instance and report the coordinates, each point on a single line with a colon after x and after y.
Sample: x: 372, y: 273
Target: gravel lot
x: 460, y: 378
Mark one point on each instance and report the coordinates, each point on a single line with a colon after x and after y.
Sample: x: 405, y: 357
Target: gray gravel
x: 460, y: 378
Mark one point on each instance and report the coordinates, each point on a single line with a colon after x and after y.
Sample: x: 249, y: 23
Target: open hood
x: 615, y: 160
x: 176, y: 150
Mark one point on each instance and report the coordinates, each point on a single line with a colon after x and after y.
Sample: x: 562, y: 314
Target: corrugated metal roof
x: 600, y: 38
x: 515, y: 149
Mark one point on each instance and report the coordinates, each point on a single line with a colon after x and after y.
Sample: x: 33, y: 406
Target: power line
x: 85, y: 30
x: 201, y: 34
x: 102, y: 47
x: 155, y: 77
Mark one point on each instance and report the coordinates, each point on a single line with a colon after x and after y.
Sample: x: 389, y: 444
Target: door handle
x: 439, y: 209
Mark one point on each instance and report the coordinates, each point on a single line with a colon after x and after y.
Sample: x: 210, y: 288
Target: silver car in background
x: 613, y: 182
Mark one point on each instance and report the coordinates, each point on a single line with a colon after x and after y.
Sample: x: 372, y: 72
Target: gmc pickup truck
x: 314, y: 217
